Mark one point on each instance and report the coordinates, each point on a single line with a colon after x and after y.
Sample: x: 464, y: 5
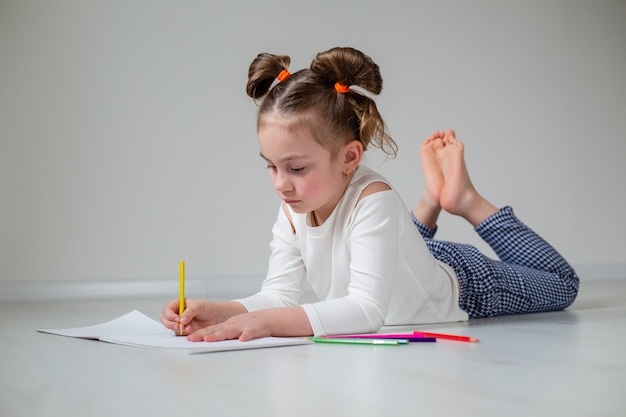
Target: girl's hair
x: 309, y: 98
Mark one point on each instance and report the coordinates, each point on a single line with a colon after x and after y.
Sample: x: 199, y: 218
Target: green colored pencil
x: 347, y: 341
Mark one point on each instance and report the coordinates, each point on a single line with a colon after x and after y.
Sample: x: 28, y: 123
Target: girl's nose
x: 281, y: 182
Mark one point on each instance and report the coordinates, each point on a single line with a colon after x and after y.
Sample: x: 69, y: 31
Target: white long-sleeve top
x: 367, y: 264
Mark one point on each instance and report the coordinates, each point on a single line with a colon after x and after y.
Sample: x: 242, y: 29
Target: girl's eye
x: 271, y: 167
x: 297, y: 170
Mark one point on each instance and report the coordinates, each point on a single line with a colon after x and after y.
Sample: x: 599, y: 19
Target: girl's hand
x: 244, y: 327
x: 281, y: 321
x: 198, y: 314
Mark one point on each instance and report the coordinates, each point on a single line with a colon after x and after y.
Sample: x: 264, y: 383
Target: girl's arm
x: 286, y: 274
x: 273, y: 311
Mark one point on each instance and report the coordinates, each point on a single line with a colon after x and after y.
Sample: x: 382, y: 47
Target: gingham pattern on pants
x: 530, y: 276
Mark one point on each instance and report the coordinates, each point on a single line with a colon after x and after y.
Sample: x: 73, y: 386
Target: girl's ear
x: 352, y: 154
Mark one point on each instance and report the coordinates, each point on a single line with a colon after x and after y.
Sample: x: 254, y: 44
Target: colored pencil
x: 181, y: 296
x: 447, y: 336
x: 406, y: 336
x: 356, y: 341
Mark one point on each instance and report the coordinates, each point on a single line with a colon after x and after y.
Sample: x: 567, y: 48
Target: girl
x: 344, y: 229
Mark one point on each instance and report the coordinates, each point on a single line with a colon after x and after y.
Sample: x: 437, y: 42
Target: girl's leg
x: 530, y: 276
x: 491, y: 288
x: 517, y: 244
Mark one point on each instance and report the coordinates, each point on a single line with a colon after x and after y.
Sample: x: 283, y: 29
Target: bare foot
x: 433, y: 177
x: 458, y: 195
x: 428, y: 208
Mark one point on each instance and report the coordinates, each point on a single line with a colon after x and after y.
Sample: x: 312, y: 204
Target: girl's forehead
x: 278, y: 141
x: 276, y: 131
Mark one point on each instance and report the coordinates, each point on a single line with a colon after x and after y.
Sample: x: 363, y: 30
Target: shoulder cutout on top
x: 293, y: 228
x: 373, y: 188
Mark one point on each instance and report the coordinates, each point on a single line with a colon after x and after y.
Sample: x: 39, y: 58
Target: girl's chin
x: 298, y: 206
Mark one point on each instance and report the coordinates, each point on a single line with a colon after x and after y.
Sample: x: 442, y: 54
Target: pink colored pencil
x: 411, y: 337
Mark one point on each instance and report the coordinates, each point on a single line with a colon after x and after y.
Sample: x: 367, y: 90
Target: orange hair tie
x: 283, y: 74
x: 341, y: 88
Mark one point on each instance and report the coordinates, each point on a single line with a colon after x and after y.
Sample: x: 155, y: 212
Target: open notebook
x: 138, y: 330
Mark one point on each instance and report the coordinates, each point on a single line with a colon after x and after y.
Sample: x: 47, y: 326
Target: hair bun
x: 348, y: 67
x: 263, y: 71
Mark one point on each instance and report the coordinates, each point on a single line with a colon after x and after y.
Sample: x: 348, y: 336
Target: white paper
x: 138, y: 330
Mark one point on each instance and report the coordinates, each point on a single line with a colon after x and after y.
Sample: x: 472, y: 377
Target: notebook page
x: 132, y: 323
x: 182, y: 345
x: 138, y: 330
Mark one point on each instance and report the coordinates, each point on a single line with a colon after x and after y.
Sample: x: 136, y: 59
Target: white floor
x: 570, y: 363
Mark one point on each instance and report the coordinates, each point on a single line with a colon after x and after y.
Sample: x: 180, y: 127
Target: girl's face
x: 304, y: 173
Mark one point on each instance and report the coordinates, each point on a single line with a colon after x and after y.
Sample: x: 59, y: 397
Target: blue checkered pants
x: 529, y: 277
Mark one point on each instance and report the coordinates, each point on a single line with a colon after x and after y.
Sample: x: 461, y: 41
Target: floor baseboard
x: 201, y: 287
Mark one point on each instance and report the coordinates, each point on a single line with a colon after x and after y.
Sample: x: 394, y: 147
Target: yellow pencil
x: 181, y: 300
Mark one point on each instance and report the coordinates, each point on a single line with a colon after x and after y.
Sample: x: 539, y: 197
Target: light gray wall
x: 128, y: 143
